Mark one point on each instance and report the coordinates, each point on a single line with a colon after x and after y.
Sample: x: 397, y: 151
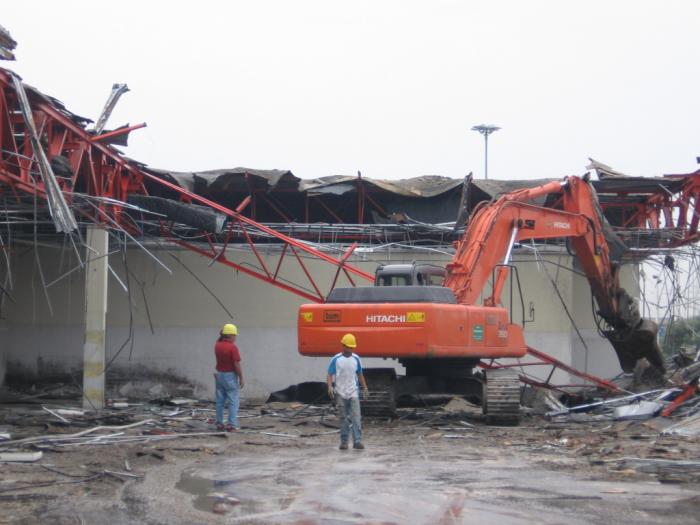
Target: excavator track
x: 381, y: 401
x: 501, y: 401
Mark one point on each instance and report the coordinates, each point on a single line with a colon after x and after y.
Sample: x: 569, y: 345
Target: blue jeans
x: 349, y: 413
x: 227, y: 389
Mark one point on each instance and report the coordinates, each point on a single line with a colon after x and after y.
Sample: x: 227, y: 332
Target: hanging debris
x: 7, y: 45
x: 58, y: 208
x: 117, y: 91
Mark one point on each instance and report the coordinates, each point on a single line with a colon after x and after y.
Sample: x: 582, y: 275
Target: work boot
x: 343, y: 445
x: 231, y: 428
x: 220, y: 427
x: 358, y: 446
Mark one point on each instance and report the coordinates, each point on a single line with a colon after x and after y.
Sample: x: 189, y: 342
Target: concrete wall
x: 185, y: 319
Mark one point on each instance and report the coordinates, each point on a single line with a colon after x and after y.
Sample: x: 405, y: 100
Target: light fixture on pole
x: 486, y: 130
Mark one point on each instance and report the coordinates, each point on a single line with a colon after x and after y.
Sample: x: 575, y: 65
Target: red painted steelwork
x: 101, y: 171
x: 118, y: 132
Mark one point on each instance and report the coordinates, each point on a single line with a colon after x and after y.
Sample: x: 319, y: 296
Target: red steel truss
x: 540, y: 359
x: 99, y: 170
x: 674, y: 210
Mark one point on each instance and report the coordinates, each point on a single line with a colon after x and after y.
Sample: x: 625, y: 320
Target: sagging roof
x: 281, y: 196
x: 246, y: 178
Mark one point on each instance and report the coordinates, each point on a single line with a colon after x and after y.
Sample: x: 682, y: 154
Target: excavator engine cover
x: 386, y: 324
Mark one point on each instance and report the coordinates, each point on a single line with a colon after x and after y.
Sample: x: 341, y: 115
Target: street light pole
x: 486, y: 130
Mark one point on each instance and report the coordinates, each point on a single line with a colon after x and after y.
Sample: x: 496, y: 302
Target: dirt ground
x: 429, y: 466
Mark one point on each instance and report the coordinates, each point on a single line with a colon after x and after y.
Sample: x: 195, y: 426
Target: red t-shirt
x: 226, y: 354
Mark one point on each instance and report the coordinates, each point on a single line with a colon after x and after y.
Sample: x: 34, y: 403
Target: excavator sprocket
x: 501, y: 400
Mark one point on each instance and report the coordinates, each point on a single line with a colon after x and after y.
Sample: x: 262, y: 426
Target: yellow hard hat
x: 349, y: 341
x: 229, y: 329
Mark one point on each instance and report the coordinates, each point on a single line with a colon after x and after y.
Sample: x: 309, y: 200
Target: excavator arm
x: 496, y: 226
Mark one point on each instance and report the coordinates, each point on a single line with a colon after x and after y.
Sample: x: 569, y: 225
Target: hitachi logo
x: 386, y: 319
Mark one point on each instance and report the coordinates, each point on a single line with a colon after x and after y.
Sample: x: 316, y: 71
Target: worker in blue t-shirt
x: 344, y: 380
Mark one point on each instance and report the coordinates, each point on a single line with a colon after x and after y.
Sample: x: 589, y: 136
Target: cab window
x: 392, y: 280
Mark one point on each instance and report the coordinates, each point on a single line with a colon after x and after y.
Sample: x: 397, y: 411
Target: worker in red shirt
x: 229, y: 377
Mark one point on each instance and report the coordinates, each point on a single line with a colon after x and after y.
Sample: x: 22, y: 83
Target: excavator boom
x: 495, y: 226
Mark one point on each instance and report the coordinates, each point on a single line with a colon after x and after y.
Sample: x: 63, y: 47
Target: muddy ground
x: 430, y: 466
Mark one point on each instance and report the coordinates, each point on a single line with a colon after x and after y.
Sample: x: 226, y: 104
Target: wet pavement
x: 429, y: 466
x: 427, y: 485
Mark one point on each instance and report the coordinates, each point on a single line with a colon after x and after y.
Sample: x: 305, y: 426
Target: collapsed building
x: 113, y: 269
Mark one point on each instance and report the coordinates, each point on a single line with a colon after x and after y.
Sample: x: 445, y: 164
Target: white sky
x: 390, y: 88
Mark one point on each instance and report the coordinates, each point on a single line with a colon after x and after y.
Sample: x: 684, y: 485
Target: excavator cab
x: 409, y: 275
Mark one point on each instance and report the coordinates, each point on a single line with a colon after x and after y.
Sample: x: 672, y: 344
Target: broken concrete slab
x: 20, y: 457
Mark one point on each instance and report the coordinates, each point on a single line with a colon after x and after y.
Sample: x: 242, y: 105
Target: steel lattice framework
x: 99, y: 170
x: 659, y: 218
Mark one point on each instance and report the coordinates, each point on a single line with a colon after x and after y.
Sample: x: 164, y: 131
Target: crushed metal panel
x: 640, y: 410
x: 117, y: 91
x: 425, y: 186
x: 438, y: 209
x: 613, y: 181
x: 193, y: 215
x: 636, y: 185
x: 183, y: 179
x: 604, y: 171
x: 234, y: 179
x: 487, y: 189
x: 7, y: 45
x: 494, y: 188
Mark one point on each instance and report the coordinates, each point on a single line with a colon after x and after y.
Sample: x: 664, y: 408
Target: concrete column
x: 95, y: 318
x: 3, y: 351
x: 4, y: 344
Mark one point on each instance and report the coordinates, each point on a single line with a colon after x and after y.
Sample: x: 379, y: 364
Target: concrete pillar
x: 95, y: 318
x: 3, y: 350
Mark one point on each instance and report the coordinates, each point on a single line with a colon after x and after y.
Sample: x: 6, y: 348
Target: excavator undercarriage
x: 497, y: 391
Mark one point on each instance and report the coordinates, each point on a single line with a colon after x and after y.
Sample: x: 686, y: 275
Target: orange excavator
x: 440, y: 333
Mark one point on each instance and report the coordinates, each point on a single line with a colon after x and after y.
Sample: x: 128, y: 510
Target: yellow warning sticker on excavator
x: 415, y: 317
x: 307, y: 316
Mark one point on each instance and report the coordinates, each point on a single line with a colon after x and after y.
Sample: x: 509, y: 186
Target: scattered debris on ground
x: 54, y: 449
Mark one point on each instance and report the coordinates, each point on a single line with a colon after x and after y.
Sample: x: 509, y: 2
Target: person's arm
x: 330, y: 378
x: 329, y: 382
x: 361, y: 378
x: 363, y: 383
x: 239, y: 372
x: 237, y: 369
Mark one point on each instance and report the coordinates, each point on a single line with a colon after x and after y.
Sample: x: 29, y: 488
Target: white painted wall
x: 186, y: 318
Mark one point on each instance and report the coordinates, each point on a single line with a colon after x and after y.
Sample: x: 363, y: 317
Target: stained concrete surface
x: 446, y: 483
x: 287, y: 470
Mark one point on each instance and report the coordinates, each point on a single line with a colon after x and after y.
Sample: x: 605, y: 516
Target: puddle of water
x: 328, y: 488
x: 324, y: 487
x: 212, y: 495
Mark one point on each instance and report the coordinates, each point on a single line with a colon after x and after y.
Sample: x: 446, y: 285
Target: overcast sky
x: 390, y: 88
